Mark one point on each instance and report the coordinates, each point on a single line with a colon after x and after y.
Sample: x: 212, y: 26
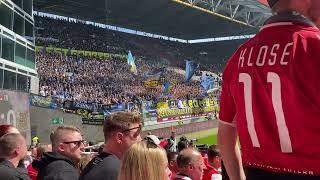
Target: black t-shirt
x: 104, y: 167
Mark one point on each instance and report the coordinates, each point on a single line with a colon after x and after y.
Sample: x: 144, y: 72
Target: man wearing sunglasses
x: 60, y: 164
x: 121, y: 130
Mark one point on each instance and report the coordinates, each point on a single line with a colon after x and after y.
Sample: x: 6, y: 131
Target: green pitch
x: 211, y: 139
x: 208, y: 136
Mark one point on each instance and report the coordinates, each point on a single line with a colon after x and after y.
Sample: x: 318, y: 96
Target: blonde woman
x: 145, y: 161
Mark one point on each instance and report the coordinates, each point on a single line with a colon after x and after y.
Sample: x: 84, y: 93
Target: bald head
x: 190, y: 163
x: 188, y: 156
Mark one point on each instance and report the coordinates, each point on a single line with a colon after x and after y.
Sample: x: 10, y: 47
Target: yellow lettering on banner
x: 38, y: 48
x: 81, y: 52
x: 57, y: 49
x: 49, y: 49
x: 207, y: 102
x: 94, y: 53
x: 195, y: 103
x: 202, y: 103
x: 184, y: 103
x: 100, y: 54
x: 185, y: 111
x: 190, y: 103
x: 65, y: 51
x: 74, y: 52
x: 160, y: 112
x: 211, y: 100
x: 87, y: 53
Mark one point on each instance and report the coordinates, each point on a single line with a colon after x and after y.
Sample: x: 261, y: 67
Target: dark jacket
x: 9, y: 172
x: 54, y: 166
x: 105, y: 166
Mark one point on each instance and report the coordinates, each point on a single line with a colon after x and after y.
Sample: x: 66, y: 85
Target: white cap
x: 154, y: 138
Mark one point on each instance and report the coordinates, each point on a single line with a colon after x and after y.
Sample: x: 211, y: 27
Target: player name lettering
x: 284, y: 170
x: 265, y: 55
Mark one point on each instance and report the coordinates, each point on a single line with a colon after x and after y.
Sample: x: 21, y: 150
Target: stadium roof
x: 185, y: 19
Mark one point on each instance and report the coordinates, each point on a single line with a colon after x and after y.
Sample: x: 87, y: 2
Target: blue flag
x: 129, y: 58
x: 190, y: 69
x: 207, y: 82
x: 166, y: 88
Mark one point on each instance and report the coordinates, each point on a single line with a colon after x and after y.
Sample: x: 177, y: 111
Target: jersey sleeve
x: 227, y: 105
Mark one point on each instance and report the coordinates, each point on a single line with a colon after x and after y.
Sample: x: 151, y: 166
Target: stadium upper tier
x: 109, y: 80
x: 184, y: 19
x: 63, y: 34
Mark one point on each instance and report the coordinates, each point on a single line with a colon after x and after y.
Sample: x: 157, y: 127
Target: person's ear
x: 61, y: 147
x: 190, y: 167
x: 171, y: 163
x: 16, y: 152
x: 119, y: 137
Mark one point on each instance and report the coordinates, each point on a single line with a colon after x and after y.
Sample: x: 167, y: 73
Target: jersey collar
x: 287, y: 18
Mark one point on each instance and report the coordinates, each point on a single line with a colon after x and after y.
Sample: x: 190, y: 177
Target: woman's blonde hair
x: 143, y: 161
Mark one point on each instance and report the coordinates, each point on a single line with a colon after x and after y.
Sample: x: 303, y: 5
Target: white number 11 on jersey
x: 274, y: 79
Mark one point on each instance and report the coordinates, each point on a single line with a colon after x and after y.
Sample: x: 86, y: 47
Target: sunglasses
x: 78, y: 143
x: 139, y: 129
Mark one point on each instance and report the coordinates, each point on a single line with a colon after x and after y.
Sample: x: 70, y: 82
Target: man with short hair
x: 13, y: 148
x: 121, y: 130
x: 214, y: 164
x: 190, y: 165
x: 270, y: 98
x: 172, y: 163
x: 60, y: 164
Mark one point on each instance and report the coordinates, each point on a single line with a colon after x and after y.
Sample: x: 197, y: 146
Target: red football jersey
x: 211, y: 174
x: 270, y: 92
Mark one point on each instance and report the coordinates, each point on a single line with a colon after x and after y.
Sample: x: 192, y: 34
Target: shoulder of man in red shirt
x: 207, y: 173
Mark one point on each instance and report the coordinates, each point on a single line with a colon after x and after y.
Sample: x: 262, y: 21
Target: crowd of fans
x: 125, y: 155
x: 109, y: 80
x: 106, y: 81
x: 62, y: 34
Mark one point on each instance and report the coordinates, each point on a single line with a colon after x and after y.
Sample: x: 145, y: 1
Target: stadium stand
x: 108, y: 80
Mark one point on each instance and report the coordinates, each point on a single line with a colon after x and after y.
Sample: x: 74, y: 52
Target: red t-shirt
x: 270, y: 92
x: 32, y: 172
x: 211, y: 174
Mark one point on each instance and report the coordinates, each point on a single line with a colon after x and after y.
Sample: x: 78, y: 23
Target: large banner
x: 185, y: 113
x: 93, y: 119
x: 152, y: 80
x: 92, y: 113
x: 174, y: 110
x: 44, y: 101
x: 14, y: 109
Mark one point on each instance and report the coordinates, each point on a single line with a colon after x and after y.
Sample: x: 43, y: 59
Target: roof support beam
x: 238, y: 10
